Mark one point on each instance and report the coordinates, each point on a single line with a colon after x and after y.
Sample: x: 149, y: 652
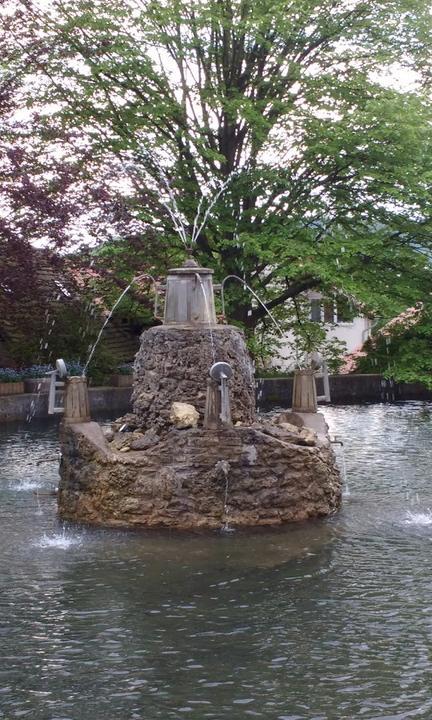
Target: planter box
x: 37, y: 385
x: 13, y: 388
x: 122, y: 380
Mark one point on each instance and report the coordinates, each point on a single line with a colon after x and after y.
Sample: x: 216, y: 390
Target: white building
x: 339, y: 324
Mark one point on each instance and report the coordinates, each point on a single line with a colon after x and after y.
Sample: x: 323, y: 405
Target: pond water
x: 324, y: 620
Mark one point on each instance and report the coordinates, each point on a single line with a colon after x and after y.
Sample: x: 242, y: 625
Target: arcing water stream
x: 328, y: 620
x: 111, y: 313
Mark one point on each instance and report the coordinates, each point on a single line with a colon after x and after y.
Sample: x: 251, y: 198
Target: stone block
x: 183, y: 415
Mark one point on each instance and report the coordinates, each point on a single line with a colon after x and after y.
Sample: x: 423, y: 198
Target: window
x: 331, y: 311
x: 344, y: 311
x: 316, y: 310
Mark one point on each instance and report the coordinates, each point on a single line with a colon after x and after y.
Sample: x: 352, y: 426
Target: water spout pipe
x: 245, y: 285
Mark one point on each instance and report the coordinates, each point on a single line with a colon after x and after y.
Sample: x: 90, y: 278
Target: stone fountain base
x: 265, y: 474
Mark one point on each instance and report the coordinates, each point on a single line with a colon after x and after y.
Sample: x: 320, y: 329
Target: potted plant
x: 36, y: 378
x: 11, y: 382
x: 124, y: 376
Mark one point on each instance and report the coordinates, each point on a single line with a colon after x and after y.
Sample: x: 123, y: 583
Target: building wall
x: 353, y: 332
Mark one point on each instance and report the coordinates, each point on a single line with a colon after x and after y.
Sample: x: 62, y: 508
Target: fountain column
x: 153, y: 471
x: 174, y: 360
x: 76, y: 401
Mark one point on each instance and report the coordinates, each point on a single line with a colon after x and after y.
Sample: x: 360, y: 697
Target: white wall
x: 352, y: 333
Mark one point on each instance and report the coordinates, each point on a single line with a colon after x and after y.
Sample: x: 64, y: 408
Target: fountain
x: 193, y: 453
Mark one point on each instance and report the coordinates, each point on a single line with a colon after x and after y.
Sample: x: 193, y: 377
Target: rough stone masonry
x: 274, y: 476
x: 160, y: 467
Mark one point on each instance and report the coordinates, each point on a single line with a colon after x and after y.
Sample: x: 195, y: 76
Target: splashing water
x: 27, y: 485
x: 196, y: 230
x: 224, y: 467
x: 61, y: 540
x: 346, y: 490
x: 226, y: 528
x: 170, y: 204
x: 420, y: 518
x: 43, y: 345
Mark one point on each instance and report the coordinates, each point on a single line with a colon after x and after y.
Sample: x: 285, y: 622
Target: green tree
x: 402, y: 348
x: 320, y: 170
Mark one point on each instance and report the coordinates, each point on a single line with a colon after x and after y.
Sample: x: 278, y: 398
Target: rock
x: 128, y: 422
x: 129, y: 504
x: 181, y: 481
x: 288, y: 427
x: 142, y: 442
x: 289, y: 417
x: 124, y: 449
x: 183, y: 415
x: 109, y: 435
x: 172, y: 365
x: 308, y: 436
x: 121, y: 440
x: 277, y: 431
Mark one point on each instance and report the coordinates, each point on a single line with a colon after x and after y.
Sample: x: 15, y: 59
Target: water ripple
x: 321, y: 621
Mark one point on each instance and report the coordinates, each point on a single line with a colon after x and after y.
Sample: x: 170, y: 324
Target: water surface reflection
x: 327, y: 620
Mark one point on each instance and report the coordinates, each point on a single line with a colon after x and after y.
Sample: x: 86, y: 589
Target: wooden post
x: 76, y: 401
x: 304, y: 392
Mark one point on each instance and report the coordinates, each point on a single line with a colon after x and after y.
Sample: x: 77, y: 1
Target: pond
x: 321, y: 621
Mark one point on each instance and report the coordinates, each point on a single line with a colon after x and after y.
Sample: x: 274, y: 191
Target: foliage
x: 326, y: 169
x: 102, y: 366
x: 402, y: 349
x: 36, y: 371
x: 273, y: 373
x: 74, y: 367
x: 9, y: 375
x: 125, y: 369
x: 135, y: 116
x: 297, y: 340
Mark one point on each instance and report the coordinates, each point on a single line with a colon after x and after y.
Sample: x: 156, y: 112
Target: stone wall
x: 344, y: 389
x: 173, y: 363
x: 181, y: 482
x: 270, y: 393
x: 107, y: 400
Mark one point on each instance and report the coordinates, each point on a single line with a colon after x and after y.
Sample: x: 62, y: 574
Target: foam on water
x: 420, y: 518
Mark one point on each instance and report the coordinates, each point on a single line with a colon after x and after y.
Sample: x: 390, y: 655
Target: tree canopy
x: 282, y: 120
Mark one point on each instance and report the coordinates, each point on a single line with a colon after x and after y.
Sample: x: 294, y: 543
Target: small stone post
x: 76, y: 401
x: 212, y: 406
x: 304, y: 392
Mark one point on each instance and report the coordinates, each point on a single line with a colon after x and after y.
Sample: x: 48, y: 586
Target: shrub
x: 125, y: 369
x: 37, y: 371
x: 8, y: 375
x: 74, y: 367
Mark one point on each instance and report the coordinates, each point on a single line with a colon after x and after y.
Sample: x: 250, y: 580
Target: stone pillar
x: 76, y: 401
x: 212, y: 406
x: 304, y: 392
